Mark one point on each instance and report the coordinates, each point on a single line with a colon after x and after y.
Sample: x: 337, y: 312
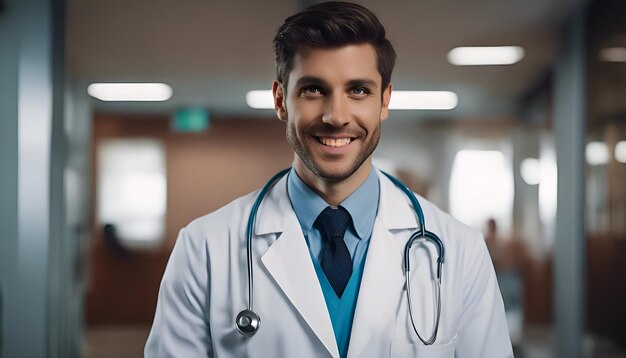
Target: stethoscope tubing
x: 250, y: 229
x: 248, y: 321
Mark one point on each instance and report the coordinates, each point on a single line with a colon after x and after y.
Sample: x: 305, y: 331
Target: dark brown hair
x: 329, y: 25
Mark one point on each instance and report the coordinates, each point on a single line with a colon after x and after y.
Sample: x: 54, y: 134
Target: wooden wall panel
x: 204, y: 172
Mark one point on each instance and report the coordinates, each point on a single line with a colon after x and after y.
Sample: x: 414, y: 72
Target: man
x: 327, y: 246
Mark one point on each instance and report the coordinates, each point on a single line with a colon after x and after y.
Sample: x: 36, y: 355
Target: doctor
x: 327, y: 246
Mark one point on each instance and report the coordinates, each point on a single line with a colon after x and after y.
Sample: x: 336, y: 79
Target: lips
x: 334, y: 141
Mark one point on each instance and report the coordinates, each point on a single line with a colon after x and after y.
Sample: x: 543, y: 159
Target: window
x: 132, y: 190
x: 481, y: 187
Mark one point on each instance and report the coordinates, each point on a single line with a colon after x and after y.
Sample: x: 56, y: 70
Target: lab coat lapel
x: 289, y: 263
x: 383, y: 277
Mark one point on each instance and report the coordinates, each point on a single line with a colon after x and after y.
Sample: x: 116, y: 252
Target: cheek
x: 305, y: 113
x: 368, y: 114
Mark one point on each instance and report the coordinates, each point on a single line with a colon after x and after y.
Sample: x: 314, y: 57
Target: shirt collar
x: 362, y: 204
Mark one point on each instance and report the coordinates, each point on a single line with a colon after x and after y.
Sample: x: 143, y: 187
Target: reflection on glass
x: 613, y: 54
x: 530, y: 170
x: 481, y: 187
x: 132, y: 189
x: 548, y: 190
x: 597, y: 153
x: 620, y: 151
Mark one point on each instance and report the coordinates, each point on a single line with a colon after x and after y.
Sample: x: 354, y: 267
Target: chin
x: 333, y: 172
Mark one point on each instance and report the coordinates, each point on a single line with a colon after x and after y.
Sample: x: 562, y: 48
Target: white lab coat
x: 205, y: 286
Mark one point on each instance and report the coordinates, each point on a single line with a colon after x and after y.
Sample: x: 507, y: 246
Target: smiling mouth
x: 334, y: 142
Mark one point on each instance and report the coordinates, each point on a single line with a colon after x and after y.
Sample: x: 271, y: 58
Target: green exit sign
x: 191, y: 120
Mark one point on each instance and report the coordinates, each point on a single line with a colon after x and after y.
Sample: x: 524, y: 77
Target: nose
x: 336, y: 111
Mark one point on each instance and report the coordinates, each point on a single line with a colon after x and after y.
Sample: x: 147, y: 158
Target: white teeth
x: 335, y: 142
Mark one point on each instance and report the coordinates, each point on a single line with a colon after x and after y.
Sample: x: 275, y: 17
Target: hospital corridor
x: 122, y: 122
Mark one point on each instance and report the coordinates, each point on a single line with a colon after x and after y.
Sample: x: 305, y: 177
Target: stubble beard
x: 330, y: 175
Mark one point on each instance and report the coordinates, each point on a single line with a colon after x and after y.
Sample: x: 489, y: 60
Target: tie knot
x: 333, y: 222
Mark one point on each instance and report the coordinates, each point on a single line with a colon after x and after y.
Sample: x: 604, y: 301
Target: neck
x: 333, y: 191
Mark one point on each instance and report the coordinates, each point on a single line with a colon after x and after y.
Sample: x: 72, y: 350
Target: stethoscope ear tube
x: 428, y: 236
x: 440, y: 250
x: 433, y: 337
x: 423, y: 233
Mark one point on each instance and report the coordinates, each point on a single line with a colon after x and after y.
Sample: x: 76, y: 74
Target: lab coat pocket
x: 446, y: 350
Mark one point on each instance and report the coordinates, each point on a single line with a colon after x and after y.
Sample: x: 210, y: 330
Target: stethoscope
x: 248, y: 321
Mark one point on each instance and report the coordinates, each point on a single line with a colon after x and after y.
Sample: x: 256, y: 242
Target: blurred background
x: 527, y: 145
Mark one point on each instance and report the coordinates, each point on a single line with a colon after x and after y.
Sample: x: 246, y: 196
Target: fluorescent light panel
x: 407, y: 100
x: 427, y: 100
x: 482, y: 56
x: 150, y: 92
x: 260, y: 99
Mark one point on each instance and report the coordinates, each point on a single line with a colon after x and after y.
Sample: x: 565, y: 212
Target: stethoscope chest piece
x: 247, y: 323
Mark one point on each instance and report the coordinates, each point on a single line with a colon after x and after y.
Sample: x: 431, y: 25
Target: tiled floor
x: 128, y: 342
x: 115, y: 341
x: 539, y: 342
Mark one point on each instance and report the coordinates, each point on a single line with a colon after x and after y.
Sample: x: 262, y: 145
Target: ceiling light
x: 130, y: 91
x: 424, y: 100
x: 492, y: 55
x: 597, y: 153
x: 613, y: 54
x: 416, y: 100
x: 620, y: 151
x: 530, y: 169
x: 260, y: 99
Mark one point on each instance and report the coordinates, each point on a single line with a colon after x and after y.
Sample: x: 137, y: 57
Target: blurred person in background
x: 327, y: 248
x: 510, y: 257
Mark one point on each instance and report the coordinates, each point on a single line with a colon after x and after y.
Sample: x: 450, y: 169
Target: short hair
x: 330, y: 25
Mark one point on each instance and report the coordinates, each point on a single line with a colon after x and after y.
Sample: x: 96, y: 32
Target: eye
x: 360, y: 91
x: 311, y: 91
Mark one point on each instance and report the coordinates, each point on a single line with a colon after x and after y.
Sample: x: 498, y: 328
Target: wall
x: 204, y: 172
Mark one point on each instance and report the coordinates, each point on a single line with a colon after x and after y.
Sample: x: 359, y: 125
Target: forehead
x: 340, y: 64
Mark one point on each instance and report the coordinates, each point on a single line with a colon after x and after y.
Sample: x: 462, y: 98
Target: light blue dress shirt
x: 362, y: 206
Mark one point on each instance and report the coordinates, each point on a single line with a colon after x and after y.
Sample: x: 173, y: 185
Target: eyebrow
x: 316, y: 81
x: 362, y: 83
x: 310, y: 80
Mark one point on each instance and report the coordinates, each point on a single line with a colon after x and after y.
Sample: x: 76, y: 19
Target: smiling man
x: 333, y: 102
x: 314, y: 264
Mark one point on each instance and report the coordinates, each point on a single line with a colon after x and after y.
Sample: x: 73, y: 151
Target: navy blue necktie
x: 336, y: 260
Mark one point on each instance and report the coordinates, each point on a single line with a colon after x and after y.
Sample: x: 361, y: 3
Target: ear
x: 278, y: 92
x: 384, y: 110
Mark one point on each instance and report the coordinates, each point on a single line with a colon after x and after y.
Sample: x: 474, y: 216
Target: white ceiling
x: 213, y: 51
